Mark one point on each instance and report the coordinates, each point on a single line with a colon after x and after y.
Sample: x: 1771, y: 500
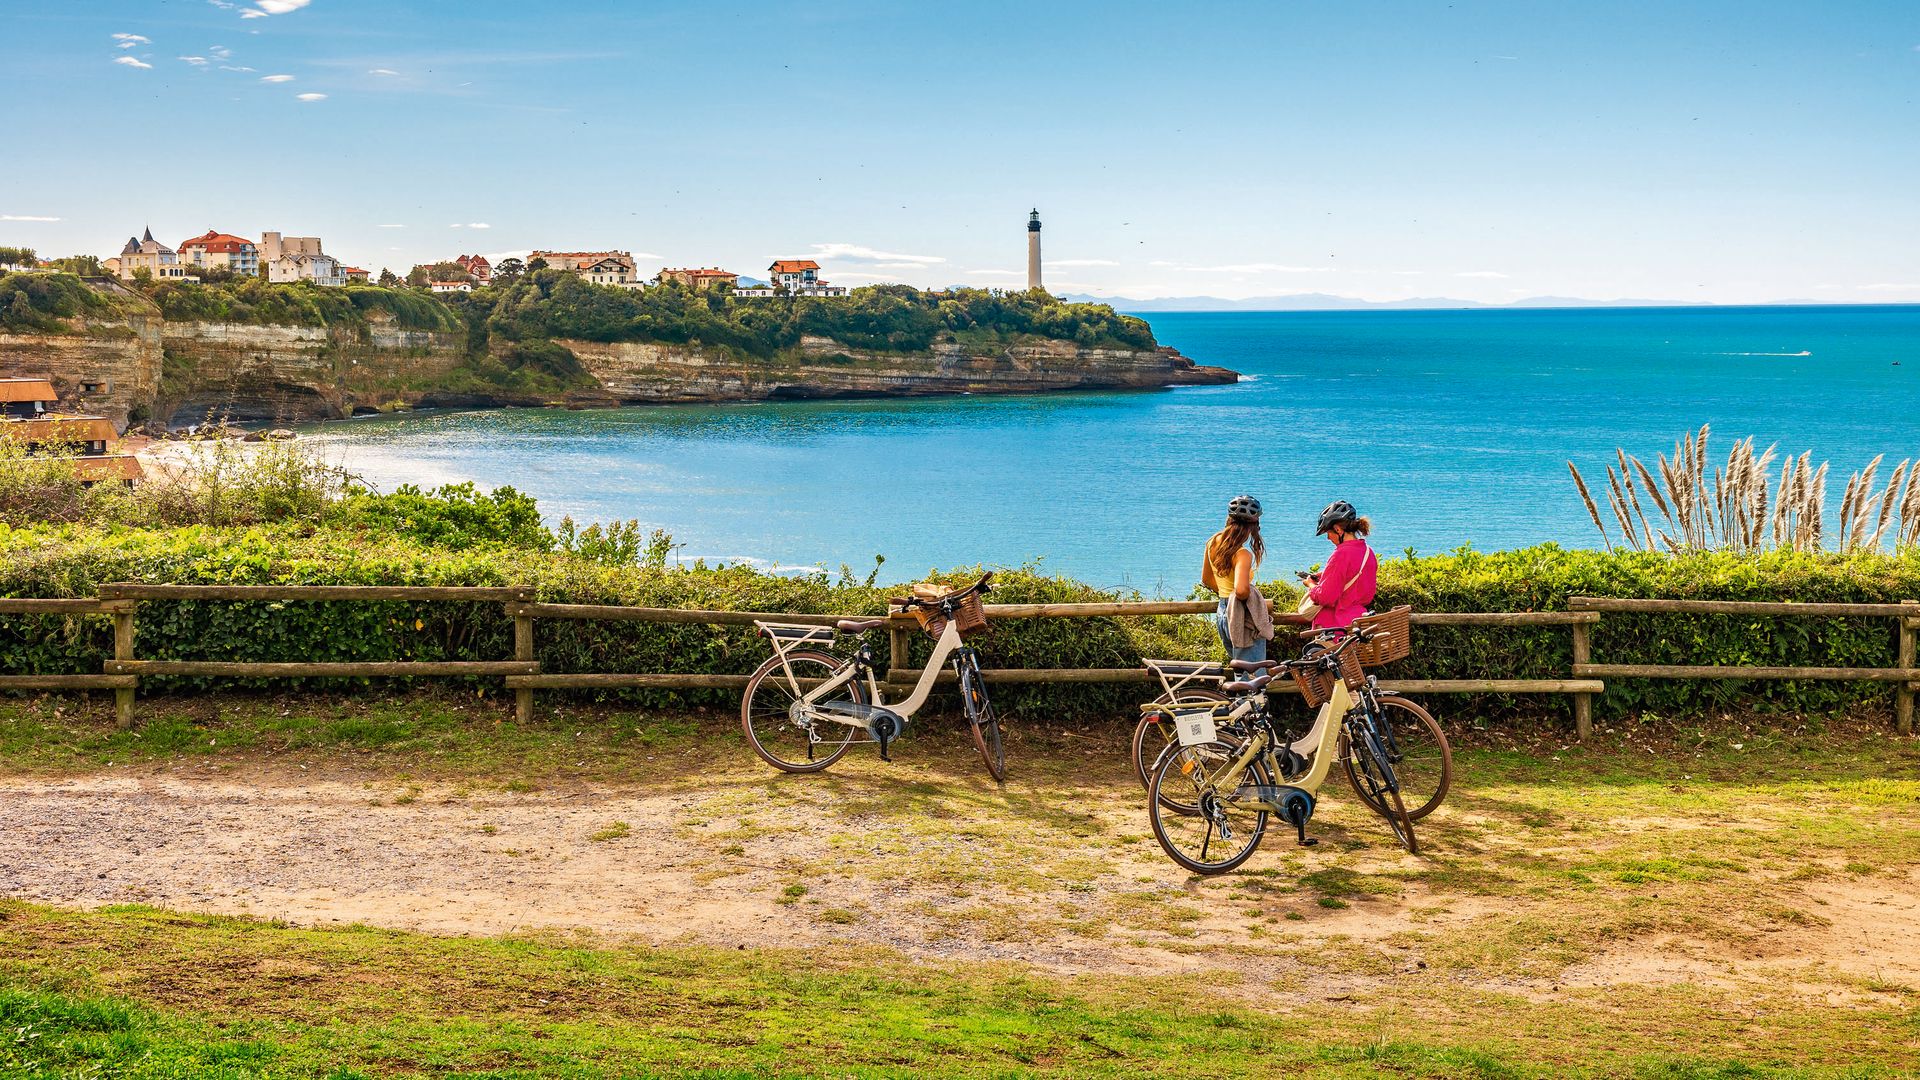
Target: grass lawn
x: 1732, y: 901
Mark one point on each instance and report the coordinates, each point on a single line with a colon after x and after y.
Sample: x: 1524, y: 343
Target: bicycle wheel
x: 769, y: 725
x: 1223, y: 831
x: 1417, y: 749
x: 1151, y: 736
x: 981, y: 718
x: 1375, y: 781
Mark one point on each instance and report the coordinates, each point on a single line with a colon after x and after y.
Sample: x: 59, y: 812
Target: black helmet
x: 1243, y: 508
x: 1338, y: 512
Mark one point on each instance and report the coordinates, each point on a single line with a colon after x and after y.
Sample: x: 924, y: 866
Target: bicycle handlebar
x: 983, y: 586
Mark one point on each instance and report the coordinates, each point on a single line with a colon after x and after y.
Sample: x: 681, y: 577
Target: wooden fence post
x: 123, y: 650
x: 1903, y: 691
x: 1582, y: 703
x: 522, y: 650
x: 899, y: 640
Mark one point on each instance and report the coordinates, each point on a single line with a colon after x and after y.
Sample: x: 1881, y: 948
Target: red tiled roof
x: 218, y: 242
x: 351, y: 270
x: 793, y: 266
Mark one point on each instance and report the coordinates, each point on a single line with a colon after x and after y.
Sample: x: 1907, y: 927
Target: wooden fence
x: 523, y: 674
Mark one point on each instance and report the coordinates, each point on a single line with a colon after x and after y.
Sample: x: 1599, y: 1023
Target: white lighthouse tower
x: 1033, y: 250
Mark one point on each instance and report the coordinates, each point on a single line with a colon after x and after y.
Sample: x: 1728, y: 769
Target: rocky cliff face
x: 632, y: 372
x: 296, y: 372
x: 110, y: 368
x: 141, y: 367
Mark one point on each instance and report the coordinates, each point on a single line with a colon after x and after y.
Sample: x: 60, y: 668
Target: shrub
x: 74, y: 560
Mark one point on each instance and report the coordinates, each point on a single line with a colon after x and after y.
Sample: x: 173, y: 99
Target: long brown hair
x: 1236, y: 535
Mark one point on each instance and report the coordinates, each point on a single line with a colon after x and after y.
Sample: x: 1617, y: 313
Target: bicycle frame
x: 1317, y: 745
x: 943, y: 649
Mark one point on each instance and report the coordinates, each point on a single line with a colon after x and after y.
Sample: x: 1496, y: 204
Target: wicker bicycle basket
x: 1316, y: 686
x: 969, y: 613
x: 1393, y: 643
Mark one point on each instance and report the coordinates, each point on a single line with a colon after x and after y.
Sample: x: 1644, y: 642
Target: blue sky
x: 1707, y: 151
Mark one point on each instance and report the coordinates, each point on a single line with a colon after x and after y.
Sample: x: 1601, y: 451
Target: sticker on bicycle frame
x: 1194, y: 728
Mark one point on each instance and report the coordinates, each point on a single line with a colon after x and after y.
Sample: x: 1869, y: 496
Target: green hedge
x: 72, y: 561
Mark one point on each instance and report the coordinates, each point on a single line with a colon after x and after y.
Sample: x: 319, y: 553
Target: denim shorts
x: 1255, y: 652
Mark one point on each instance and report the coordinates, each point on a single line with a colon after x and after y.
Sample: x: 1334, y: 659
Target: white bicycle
x: 804, y: 707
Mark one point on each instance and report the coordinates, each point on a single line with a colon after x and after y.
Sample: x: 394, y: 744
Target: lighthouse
x: 1033, y: 250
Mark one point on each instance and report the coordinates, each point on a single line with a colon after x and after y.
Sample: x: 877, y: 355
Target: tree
x: 448, y: 271
x: 388, y: 279
x: 536, y: 265
x: 417, y: 277
x: 18, y: 256
x: 78, y: 265
x: 508, y: 270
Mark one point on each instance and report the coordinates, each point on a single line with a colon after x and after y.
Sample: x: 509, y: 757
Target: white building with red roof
x: 477, y: 268
x: 213, y: 250
x: 794, y: 277
x: 600, y: 267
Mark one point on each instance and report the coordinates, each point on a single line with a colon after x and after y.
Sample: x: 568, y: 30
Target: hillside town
x: 282, y: 259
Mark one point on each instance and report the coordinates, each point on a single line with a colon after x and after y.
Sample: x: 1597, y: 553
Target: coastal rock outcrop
x: 642, y: 372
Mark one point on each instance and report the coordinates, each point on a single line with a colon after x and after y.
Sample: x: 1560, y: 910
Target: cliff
x: 136, y: 366
x: 638, y: 372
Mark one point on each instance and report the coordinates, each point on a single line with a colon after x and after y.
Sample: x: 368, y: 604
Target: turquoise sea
x: 1447, y: 427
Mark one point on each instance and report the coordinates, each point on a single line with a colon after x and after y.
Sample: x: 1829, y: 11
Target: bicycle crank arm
x: 1294, y: 805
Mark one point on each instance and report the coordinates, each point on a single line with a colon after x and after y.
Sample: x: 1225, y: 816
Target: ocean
x: 1447, y: 428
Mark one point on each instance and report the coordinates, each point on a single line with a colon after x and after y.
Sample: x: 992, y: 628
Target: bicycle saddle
x: 1253, y: 665
x: 857, y: 626
x: 1245, y: 686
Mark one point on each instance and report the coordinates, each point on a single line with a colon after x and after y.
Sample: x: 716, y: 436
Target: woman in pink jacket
x: 1345, y: 587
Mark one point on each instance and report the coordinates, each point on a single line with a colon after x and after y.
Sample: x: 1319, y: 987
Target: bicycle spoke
x: 1222, y: 831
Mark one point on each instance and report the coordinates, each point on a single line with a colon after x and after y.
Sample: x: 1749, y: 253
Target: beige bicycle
x: 804, y: 707
x: 1210, y: 794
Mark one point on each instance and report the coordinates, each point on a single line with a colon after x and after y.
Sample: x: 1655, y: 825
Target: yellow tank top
x: 1216, y: 572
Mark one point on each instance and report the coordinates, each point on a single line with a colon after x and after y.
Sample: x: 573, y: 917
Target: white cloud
x: 196, y: 61
x: 233, y: 67
x: 223, y: 5
x: 219, y: 52
x: 1480, y: 274
x: 128, y: 41
x: 276, y: 78
x: 470, y: 225
x: 390, y: 226
x: 252, y: 14
x: 1081, y: 262
x: 279, y: 7
x: 862, y: 253
x: 310, y: 97
x: 383, y: 71
x: 132, y: 62
x: 26, y: 217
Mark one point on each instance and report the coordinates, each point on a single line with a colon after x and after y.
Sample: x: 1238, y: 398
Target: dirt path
x: 1065, y: 879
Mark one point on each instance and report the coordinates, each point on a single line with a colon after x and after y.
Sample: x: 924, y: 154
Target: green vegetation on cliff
x: 888, y: 318
x: 41, y: 303
x: 252, y: 301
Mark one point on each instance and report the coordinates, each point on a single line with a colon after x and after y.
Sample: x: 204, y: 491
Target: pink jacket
x: 1339, y: 605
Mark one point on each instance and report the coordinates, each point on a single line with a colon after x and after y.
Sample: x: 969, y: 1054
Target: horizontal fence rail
x: 523, y: 674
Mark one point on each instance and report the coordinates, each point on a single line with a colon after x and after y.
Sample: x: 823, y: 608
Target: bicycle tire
x: 774, y: 740
x: 1369, y: 762
x: 1169, y: 765
x: 1420, y: 751
x: 1149, y: 726
x: 982, y: 720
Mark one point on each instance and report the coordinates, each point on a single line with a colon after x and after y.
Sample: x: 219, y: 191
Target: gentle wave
x: 1802, y: 352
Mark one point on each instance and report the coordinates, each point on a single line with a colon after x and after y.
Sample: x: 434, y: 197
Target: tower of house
x: 1033, y: 250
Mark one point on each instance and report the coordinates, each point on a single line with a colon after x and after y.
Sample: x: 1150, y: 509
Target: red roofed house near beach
x: 477, y: 268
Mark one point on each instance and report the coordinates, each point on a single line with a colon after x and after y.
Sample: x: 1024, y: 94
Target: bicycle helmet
x: 1243, y: 508
x: 1338, y: 512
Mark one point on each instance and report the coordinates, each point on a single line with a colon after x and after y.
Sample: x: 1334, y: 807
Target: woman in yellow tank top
x: 1232, y: 555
